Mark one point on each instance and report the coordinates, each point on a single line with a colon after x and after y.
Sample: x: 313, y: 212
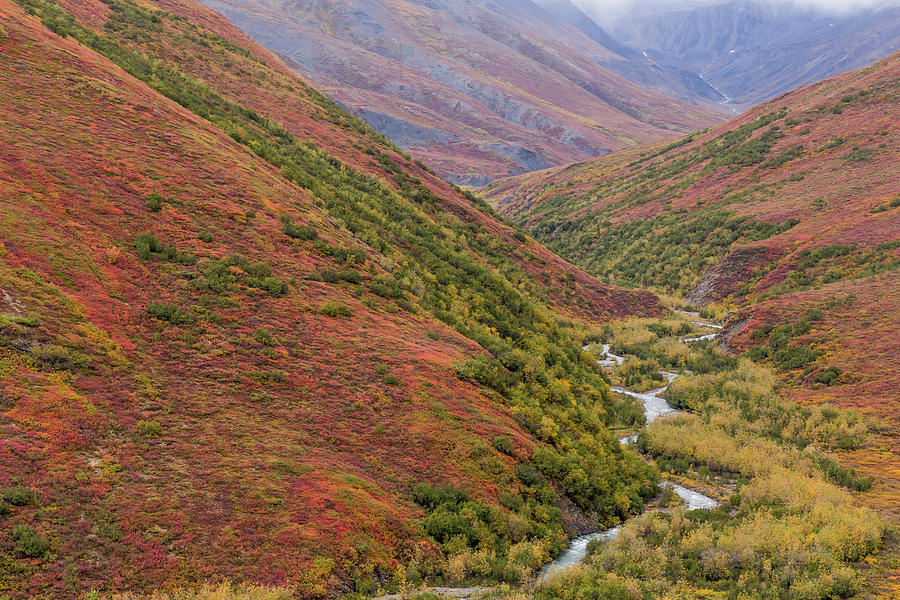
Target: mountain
x: 477, y: 89
x: 659, y: 73
x: 816, y: 166
x: 243, y: 337
x: 788, y: 216
x: 752, y: 50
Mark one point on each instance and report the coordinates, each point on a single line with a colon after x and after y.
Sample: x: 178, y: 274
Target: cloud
x: 610, y: 8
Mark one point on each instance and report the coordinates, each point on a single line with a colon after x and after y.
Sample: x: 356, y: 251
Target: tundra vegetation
x: 789, y: 526
x: 371, y: 240
x: 377, y: 241
x: 787, y: 218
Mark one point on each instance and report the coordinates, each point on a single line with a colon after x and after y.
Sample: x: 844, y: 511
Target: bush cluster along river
x: 654, y: 407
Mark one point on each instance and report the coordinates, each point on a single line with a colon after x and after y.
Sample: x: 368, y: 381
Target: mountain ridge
x: 467, y: 86
x: 754, y: 51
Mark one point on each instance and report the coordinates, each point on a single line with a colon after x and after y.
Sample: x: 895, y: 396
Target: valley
x: 737, y: 219
x: 752, y: 51
x: 771, y: 209
x: 654, y: 406
x: 251, y: 348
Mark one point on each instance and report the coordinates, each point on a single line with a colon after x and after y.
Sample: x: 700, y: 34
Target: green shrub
x: 268, y: 377
x: 487, y: 371
x: 29, y: 321
x: 299, y: 232
x: 390, y: 379
x: 341, y: 254
x: 219, y: 276
x: 528, y: 474
x: 843, y: 476
x: 29, y: 542
x: 332, y: 276
x: 814, y: 314
x: 169, y: 313
x: 503, y: 444
x: 271, y: 285
x: 796, y: 357
x: 205, y: 236
x: 430, y: 498
x: 780, y: 336
x: 20, y: 496
x: 593, y: 546
x: 349, y: 276
x: 861, y: 155
x: 263, y: 337
x: 336, y: 309
x: 59, y: 358
x: 326, y: 275
x: 387, y: 288
x: 785, y: 157
x: 827, y: 376
x: 4, y: 507
x: 762, y: 333
x: 757, y: 353
x: 149, y: 428
x: 154, y: 202
x: 147, y: 247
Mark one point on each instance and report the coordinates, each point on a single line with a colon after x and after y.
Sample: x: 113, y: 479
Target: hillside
x: 662, y: 73
x: 477, y: 89
x: 789, y: 215
x: 238, y: 327
x: 752, y: 50
x: 812, y: 169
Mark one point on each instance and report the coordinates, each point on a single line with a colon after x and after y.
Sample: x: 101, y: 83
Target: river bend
x: 654, y: 407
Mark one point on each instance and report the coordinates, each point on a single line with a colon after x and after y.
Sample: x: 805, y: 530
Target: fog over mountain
x: 602, y: 9
x: 753, y: 50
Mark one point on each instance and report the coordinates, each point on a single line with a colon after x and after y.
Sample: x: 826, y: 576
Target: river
x: 654, y: 407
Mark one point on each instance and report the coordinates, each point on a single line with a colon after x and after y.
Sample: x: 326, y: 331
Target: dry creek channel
x: 655, y: 406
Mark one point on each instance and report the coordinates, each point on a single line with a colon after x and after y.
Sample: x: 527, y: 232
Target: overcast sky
x: 599, y: 7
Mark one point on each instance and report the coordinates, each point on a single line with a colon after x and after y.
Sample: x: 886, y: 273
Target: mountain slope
x: 789, y: 215
x: 815, y: 167
x: 237, y: 327
x: 477, y: 89
x: 664, y: 76
x: 752, y: 51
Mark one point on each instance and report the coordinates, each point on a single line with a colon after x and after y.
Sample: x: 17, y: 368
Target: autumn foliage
x: 232, y: 318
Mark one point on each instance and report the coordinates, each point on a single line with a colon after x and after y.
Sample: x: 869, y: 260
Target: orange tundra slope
x: 208, y: 370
